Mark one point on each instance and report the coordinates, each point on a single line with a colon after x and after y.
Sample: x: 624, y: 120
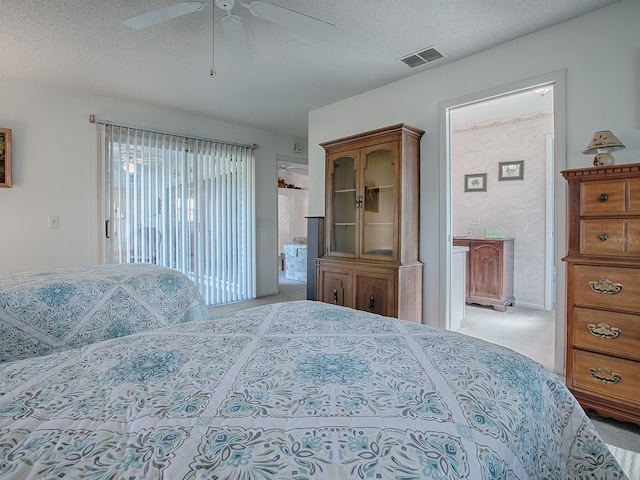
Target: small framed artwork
x: 371, y: 199
x: 475, y: 182
x: 511, y: 170
x: 5, y: 158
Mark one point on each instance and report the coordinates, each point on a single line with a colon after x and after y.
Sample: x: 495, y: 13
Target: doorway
x: 293, y: 201
x: 504, y: 139
x: 492, y: 121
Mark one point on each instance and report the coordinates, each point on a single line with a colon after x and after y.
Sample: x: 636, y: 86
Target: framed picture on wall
x: 5, y: 157
x: 511, y: 170
x: 475, y: 182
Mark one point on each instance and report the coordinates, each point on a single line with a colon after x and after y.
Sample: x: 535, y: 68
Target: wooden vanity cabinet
x: 371, y: 227
x: 490, y: 267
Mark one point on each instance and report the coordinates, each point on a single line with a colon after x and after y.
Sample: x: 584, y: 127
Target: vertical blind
x: 184, y: 203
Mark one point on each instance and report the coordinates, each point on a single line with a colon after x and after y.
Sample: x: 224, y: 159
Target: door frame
x: 286, y: 159
x: 558, y: 80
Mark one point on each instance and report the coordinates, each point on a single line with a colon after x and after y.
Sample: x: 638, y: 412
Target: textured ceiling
x: 82, y: 45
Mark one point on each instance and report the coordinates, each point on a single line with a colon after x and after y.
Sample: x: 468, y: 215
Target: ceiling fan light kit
x: 232, y: 28
x: 225, y: 4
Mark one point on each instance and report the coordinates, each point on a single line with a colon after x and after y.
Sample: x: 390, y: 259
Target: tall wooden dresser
x: 603, y: 289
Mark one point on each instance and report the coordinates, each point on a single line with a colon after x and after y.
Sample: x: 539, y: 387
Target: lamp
x: 602, y: 144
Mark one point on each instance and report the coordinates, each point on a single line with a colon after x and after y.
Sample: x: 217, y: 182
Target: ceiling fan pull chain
x: 212, y: 72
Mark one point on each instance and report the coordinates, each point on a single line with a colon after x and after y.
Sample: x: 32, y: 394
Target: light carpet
x: 629, y: 461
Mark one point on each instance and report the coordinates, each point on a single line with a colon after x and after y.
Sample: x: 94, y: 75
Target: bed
x: 293, y: 390
x: 54, y: 310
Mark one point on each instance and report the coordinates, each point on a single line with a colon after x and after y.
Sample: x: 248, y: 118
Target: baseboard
x: 533, y: 306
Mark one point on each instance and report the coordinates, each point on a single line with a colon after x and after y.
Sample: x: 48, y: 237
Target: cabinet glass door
x: 379, y: 193
x: 343, y: 205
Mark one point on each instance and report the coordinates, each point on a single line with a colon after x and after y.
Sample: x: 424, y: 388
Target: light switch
x: 54, y: 221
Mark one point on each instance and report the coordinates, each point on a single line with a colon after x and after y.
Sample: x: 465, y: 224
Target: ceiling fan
x: 232, y: 26
x: 299, y: 168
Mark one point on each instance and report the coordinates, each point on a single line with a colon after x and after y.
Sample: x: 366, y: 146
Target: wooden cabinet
x: 370, y: 260
x: 603, y: 289
x: 489, y: 271
x: 369, y: 287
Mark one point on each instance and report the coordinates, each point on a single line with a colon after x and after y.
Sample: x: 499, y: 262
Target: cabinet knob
x: 359, y: 201
x: 604, y: 375
x: 371, y: 303
x: 605, y: 286
x: 335, y: 296
x: 603, y: 197
x: 603, y: 330
x: 604, y: 237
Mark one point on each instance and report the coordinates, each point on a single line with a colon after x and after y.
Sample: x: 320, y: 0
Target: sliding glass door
x: 184, y: 203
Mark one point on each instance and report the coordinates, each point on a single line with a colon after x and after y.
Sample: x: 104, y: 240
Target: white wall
x: 55, y: 173
x: 601, y: 54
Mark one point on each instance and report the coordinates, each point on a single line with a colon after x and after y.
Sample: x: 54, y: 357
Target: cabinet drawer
x: 334, y: 287
x: 607, y: 287
x: 610, y: 237
x: 608, y: 332
x: 610, y: 197
x: 375, y: 293
x: 607, y: 376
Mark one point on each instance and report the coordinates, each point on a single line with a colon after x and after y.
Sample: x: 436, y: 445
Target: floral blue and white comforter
x: 54, y: 310
x: 293, y: 391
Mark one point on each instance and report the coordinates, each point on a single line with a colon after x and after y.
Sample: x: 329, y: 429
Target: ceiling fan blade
x: 235, y: 37
x: 162, y: 15
x: 304, y: 24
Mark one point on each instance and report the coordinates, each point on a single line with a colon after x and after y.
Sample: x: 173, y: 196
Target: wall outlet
x: 474, y: 220
x: 54, y: 221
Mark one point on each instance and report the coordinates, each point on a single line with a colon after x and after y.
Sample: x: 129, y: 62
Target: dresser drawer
x: 610, y: 237
x: 607, y: 287
x: 609, y: 377
x: 608, y: 332
x: 610, y: 197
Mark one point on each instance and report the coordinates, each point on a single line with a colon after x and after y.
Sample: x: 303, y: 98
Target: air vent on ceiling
x: 420, y: 58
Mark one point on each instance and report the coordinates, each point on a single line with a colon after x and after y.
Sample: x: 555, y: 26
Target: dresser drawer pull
x: 603, y: 330
x: 605, y: 286
x: 603, y: 197
x: 604, y: 375
x: 604, y: 237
